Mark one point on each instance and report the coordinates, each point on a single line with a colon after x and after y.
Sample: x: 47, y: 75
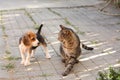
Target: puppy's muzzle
x: 35, y: 43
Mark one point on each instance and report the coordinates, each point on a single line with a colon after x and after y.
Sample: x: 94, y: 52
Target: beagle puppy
x: 29, y: 42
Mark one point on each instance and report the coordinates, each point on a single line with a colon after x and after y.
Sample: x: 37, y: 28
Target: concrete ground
x: 94, y: 28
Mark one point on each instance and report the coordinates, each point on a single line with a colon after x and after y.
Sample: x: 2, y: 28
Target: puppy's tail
x: 39, y: 30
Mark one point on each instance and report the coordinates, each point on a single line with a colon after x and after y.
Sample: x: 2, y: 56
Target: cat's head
x: 64, y: 33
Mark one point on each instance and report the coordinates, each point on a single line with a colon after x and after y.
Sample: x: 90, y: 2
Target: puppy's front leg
x: 22, y: 54
x: 27, y: 62
x: 32, y: 53
x: 23, y: 58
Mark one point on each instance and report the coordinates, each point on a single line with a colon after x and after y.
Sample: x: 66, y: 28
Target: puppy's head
x: 30, y: 39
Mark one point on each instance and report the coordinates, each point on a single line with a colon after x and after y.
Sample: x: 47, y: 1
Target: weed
x: 17, y: 58
x: 117, y: 39
x: 118, y: 23
x: 68, y: 22
x: 3, y: 28
x: 81, y: 32
x: 95, y: 42
x: 5, y: 35
x: 111, y: 74
x: 7, y: 52
x: 46, y: 75
x: 118, y: 61
x: 36, y: 26
x: 9, y: 66
x: 29, y: 15
x: 54, y: 12
x: 9, y: 57
x: 117, y: 3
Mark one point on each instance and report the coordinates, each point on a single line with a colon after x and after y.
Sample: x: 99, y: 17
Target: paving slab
x: 16, y: 4
x: 94, y: 29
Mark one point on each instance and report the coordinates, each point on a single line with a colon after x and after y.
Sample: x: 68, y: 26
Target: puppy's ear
x: 26, y: 40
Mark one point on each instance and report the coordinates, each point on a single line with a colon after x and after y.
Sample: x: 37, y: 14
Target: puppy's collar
x: 34, y: 47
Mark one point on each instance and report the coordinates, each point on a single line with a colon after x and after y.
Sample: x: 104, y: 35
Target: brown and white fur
x: 28, y: 43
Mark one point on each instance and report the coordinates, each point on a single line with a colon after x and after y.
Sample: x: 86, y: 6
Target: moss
x: 9, y: 66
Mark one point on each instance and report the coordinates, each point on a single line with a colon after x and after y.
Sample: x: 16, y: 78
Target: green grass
x: 68, y: 22
x: 56, y: 13
x: 95, y: 42
x: 117, y: 3
x: 29, y: 15
x: 9, y: 66
x: 5, y: 35
x: 111, y: 74
x: 118, y: 61
x: 36, y: 26
x: 46, y: 75
x: 7, y: 52
x: 117, y: 39
x: 3, y: 28
x: 11, y: 58
x: 81, y: 32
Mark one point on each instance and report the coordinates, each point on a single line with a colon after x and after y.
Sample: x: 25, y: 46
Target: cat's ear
x: 62, y: 27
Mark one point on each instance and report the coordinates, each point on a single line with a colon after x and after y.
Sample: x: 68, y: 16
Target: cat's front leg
x: 63, y: 60
x: 67, y: 61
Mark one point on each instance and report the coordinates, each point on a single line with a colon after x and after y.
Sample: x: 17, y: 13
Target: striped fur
x: 70, y: 48
x: 86, y: 47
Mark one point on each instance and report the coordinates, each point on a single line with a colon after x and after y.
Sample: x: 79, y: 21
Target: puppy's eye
x: 33, y: 39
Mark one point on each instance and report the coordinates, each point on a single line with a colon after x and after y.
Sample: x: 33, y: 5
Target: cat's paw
x: 66, y: 64
x: 64, y: 74
x: 48, y: 56
x: 63, y: 60
x: 77, y: 61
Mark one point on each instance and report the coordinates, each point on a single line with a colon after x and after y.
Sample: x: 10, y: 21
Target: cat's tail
x: 86, y: 47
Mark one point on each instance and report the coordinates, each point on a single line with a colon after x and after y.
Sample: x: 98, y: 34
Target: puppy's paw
x: 27, y: 63
x: 22, y: 62
x: 32, y: 56
x: 48, y: 56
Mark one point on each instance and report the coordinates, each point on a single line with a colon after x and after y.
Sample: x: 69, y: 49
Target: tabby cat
x: 70, y: 48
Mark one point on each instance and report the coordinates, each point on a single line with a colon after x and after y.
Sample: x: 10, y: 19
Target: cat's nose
x: 58, y: 38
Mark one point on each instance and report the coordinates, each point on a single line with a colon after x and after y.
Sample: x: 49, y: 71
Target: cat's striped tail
x: 86, y: 47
